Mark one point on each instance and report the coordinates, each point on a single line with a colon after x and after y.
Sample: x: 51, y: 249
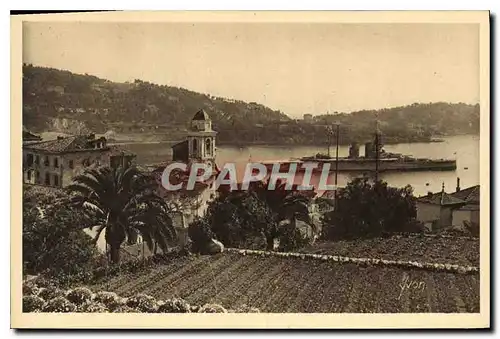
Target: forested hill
x: 50, y: 93
x: 56, y: 100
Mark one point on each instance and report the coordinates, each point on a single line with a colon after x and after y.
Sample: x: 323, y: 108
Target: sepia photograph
x: 259, y: 165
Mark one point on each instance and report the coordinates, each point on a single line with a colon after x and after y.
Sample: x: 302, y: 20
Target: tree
x: 200, y: 234
x: 284, y: 204
x: 368, y: 209
x: 123, y: 203
x: 239, y: 216
x: 53, y: 239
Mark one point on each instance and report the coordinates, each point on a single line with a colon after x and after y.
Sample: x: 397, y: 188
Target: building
x: 308, y: 118
x: 29, y: 136
x: 55, y: 89
x: 55, y: 162
x: 469, y: 212
x: 198, y: 147
x: 443, y: 210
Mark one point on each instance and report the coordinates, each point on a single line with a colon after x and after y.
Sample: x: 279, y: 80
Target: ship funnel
x: 429, y: 194
x: 458, y: 184
x: 354, y: 151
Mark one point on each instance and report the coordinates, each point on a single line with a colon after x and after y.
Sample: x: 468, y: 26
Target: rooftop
x: 441, y: 198
x: 201, y: 115
x: 29, y: 136
x: 65, y: 144
x: 470, y: 195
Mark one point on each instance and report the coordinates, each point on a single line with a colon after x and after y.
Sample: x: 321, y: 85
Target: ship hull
x: 394, y: 166
x: 371, y: 165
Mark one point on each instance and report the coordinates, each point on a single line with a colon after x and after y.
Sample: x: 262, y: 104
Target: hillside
x: 56, y: 100
x: 279, y: 284
x: 51, y: 95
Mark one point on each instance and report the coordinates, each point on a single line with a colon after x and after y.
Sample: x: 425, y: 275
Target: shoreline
x: 266, y: 144
x: 133, y: 140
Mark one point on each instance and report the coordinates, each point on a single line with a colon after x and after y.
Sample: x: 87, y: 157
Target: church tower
x: 201, y: 139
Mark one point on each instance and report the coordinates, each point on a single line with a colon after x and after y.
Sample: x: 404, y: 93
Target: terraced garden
x: 438, y: 249
x: 294, y: 284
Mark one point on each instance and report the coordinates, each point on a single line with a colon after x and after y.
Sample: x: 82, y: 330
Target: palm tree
x: 122, y: 202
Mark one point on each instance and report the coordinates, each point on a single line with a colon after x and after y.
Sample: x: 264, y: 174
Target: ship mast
x: 329, y: 133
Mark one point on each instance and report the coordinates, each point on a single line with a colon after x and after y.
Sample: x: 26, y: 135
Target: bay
x: 463, y: 148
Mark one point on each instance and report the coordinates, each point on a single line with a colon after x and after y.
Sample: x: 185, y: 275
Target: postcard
x: 250, y: 170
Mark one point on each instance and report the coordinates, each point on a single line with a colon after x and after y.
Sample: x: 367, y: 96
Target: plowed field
x: 275, y: 284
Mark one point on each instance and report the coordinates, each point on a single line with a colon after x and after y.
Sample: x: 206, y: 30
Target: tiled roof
x: 66, y: 144
x: 28, y: 136
x: 441, y: 198
x: 58, y: 145
x: 470, y: 195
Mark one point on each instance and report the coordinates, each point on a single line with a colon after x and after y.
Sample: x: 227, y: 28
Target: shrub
x: 187, y: 248
x: 92, y: 307
x: 367, y: 209
x: 246, y: 309
x: 174, y: 305
x: 123, y: 309
x: 200, y: 234
x: 30, y: 288
x: 54, y: 243
x: 79, y: 295
x: 107, y: 298
x: 42, y: 281
x: 472, y: 228
x: 291, y: 239
x: 194, y: 309
x: 50, y: 292
x: 142, y: 303
x: 413, y: 226
x: 59, y: 304
x: 32, y: 303
x: 212, y: 308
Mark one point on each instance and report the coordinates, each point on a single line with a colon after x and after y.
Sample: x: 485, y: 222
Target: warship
x: 375, y: 159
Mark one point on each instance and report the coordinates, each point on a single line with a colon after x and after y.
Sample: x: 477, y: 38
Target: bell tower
x: 201, y: 139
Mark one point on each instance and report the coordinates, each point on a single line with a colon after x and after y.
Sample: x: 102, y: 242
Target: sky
x: 297, y: 68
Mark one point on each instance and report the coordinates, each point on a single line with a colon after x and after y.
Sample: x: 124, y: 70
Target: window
x: 56, y: 162
x: 29, y: 176
x: 86, y: 162
x: 195, y: 145
x: 37, y: 177
x: 29, y: 159
x: 37, y: 160
x: 47, y: 179
x: 71, y: 164
x: 208, y: 147
x: 56, y: 180
x: 46, y: 161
